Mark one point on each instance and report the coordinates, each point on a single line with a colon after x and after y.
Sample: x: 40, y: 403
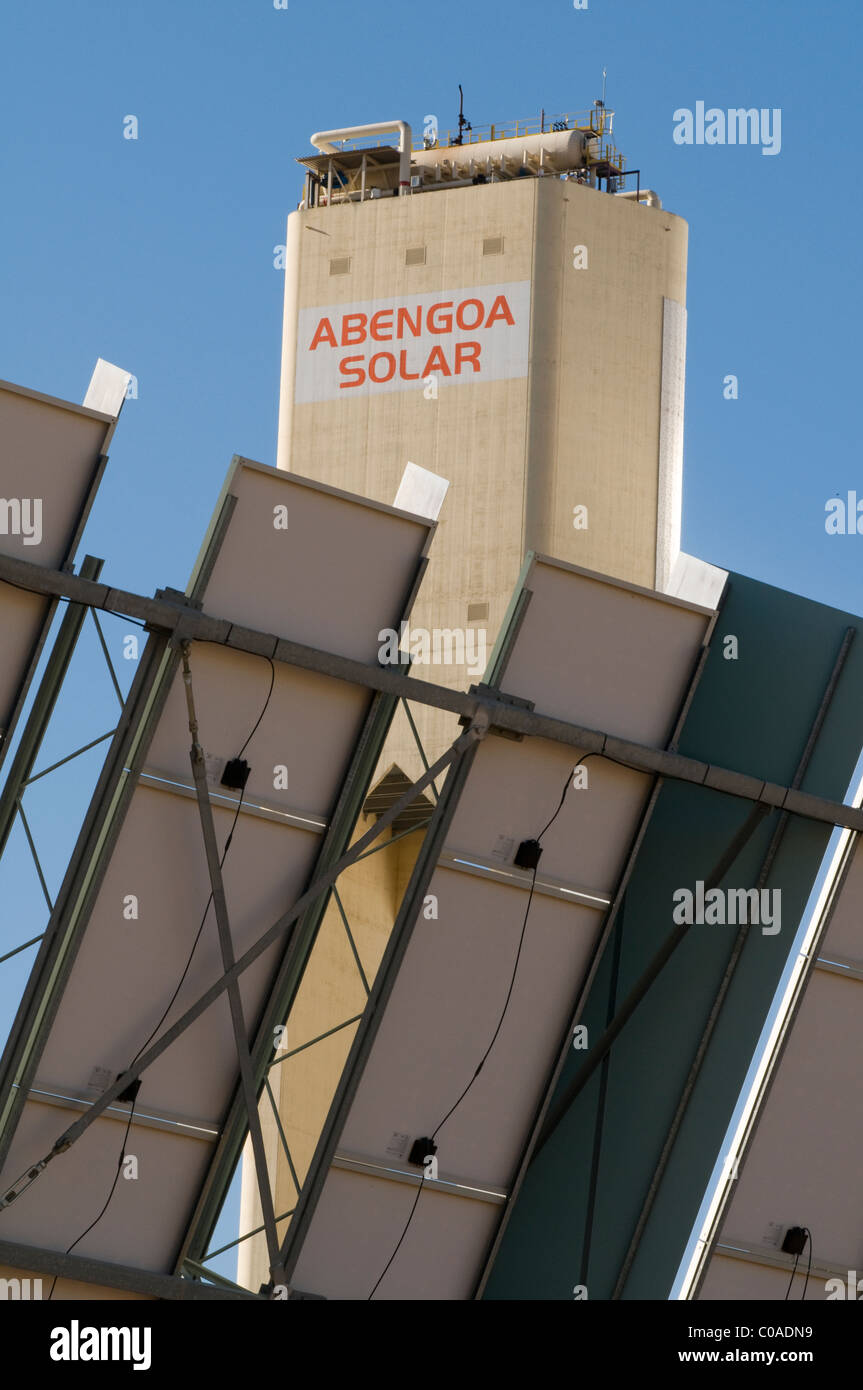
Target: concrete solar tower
x: 503, y: 310
x: 475, y: 303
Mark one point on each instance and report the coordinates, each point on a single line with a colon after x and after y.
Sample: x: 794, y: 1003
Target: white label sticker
x: 398, y: 1145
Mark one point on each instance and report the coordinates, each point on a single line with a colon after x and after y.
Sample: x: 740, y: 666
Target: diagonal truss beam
x: 107, y: 655
x: 292, y: 1052
x: 238, y: 1240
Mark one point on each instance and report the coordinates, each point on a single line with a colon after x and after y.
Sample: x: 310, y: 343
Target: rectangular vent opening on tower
x: 477, y: 612
x: 492, y: 246
x: 340, y: 265
x: 415, y: 255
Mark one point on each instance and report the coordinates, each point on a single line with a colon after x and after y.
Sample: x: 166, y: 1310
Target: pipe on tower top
x: 324, y: 139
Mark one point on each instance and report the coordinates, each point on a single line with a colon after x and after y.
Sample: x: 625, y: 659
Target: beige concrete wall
x: 596, y: 376
x: 581, y: 428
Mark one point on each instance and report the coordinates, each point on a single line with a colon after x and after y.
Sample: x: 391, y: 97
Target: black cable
x: 453, y: 1108
x: 791, y: 1280
x: 482, y: 1063
x: 500, y: 1021
x: 485, y: 1055
x: 264, y: 710
x: 70, y: 1248
x: 400, y: 1239
x: 567, y: 785
x: 181, y: 981
x: 187, y: 966
x: 113, y: 1185
x: 114, y: 614
x: 808, y: 1241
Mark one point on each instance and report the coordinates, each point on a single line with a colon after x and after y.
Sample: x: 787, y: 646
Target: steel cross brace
x: 238, y: 1022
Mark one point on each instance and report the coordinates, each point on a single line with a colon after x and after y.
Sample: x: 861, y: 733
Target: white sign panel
x: 397, y: 344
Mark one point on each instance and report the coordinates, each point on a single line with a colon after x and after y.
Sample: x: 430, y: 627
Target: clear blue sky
x: 157, y: 254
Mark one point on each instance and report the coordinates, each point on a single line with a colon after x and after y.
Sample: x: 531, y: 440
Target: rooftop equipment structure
x: 349, y: 169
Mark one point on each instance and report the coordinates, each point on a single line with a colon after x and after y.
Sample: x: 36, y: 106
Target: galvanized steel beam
x: 85, y: 1270
x: 183, y: 624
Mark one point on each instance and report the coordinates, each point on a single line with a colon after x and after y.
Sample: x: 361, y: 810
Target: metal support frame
x: 238, y: 1240
x: 173, y: 622
x: 171, y: 618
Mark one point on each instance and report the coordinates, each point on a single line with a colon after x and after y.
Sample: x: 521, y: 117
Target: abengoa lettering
x: 457, y: 336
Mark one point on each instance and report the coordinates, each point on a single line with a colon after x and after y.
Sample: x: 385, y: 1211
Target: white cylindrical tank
x: 558, y: 150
